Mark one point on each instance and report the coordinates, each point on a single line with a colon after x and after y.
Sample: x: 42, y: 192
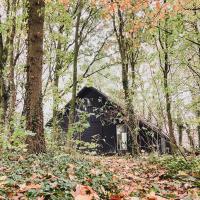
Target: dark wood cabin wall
x: 149, y: 140
x: 109, y: 134
x: 106, y: 133
x: 107, y: 138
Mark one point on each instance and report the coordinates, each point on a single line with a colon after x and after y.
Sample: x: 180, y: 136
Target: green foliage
x: 49, y: 176
x: 86, y: 147
x: 78, y: 127
x: 102, y: 182
x: 176, y: 164
x: 178, y: 168
x: 82, y: 124
x: 14, y: 141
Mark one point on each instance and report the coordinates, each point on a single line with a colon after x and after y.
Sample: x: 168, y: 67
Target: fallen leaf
x: 83, y: 192
x: 71, y: 171
x: 193, y: 193
x: 182, y: 173
x: 25, y: 187
x: 153, y: 196
x: 3, y: 178
x: 116, y: 197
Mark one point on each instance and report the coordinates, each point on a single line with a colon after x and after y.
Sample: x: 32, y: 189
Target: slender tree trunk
x: 74, y: 87
x: 188, y: 130
x: 11, y: 78
x: 125, y: 61
x: 198, y: 109
x: 180, y: 134
x: 55, y: 108
x: 1, y: 77
x: 132, y: 116
x: 198, y: 128
x: 2, y: 90
x: 196, y: 98
x: 3, y: 94
x: 58, y: 66
x: 164, y: 42
x: 180, y: 128
x: 130, y: 111
x: 33, y: 100
x: 168, y: 110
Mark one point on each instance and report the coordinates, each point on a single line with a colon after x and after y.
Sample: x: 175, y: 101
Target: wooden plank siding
x: 103, y: 123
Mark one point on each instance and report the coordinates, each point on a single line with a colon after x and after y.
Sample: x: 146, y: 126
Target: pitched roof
x: 85, y: 90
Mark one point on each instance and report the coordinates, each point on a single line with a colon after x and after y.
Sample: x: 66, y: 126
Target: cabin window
x: 121, y: 137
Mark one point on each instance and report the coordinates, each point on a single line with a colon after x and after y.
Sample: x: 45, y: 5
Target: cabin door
x: 122, y: 138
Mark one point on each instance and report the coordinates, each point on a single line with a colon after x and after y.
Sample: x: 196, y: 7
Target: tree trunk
x: 132, y: 116
x: 55, y: 108
x: 3, y: 94
x: 180, y: 134
x: 198, y: 109
x: 198, y: 128
x: 196, y: 100
x: 33, y: 99
x: 188, y: 130
x: 74, y: 87
x: 11, y: 78
x: 164, y: 42
x: 125, y: 60
x: 168, y: 109
x: 56, y: 132
x: 130, y: 111
x: 55, y: 105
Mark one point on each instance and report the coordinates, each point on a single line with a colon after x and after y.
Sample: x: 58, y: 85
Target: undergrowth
x: 180, y: 169
x: 51, y: 176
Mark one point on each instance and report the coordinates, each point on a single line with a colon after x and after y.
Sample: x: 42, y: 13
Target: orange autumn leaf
x: 26, y: 187
x: 116, y: 197
x: 158, y: 5
x: 112, y: 7
x: 153, y: 196
x: 64, y: 2
x: 83, y: 192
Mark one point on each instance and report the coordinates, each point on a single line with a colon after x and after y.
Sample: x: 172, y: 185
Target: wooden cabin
x: 106, y: 126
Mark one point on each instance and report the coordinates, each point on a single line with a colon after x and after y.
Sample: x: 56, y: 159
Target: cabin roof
x: 85, y: 90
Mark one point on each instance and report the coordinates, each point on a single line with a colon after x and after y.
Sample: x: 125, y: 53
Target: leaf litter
x: 142, y: 179
x: 61, y: 176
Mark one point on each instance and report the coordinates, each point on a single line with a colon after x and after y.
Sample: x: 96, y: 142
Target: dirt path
x: 142, y: 180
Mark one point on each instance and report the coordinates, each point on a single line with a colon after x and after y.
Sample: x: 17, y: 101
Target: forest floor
x: 155, y: 178
x: 59, y: 176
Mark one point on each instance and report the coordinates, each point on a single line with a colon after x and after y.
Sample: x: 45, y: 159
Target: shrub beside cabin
x: 101, y: 121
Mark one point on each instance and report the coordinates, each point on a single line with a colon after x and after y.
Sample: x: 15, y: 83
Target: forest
x: 100, y: 99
